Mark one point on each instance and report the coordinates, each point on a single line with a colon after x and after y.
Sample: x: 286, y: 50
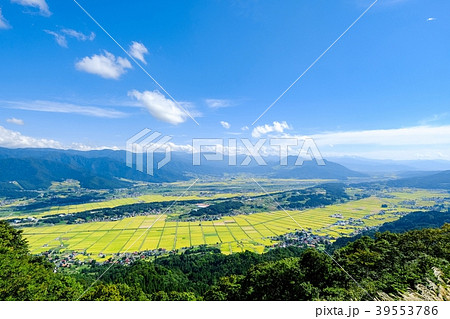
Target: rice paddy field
x: 71, y: 209
x: 230, y: 234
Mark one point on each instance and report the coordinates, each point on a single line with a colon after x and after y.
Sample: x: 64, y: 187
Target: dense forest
x: 390, y: 264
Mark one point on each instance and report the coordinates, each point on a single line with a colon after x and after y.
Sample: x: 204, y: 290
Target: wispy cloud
x: 138, y: 50
x: 39, y: 4
x: 59, y: 38
x: 78, y: 35
x: 225, y: 125
x: 431, y: 19
x: 434, y: 118
x: 58, y: 107
x: 277, y: 127
x: 105, y: 65
x: 234, y: 133
x: 159, y: 106
x: 219, y: 103
x: 4, y: 24
x: 13, y: 120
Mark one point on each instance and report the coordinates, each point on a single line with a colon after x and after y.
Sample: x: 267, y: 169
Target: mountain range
x: 38, y: 168
x: 32, y: 169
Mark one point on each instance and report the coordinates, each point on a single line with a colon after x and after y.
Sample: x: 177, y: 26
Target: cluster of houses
x: 301, y: 238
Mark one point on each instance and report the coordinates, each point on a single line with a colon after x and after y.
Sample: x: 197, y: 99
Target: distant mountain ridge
x: 106, y: 169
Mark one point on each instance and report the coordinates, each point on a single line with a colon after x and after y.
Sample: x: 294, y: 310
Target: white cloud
x: 225, y: 125
x: 417, y: 142
x: 3, y: 22
x: 138, y: 50
x: 416, y: 135
x: 13, y: 120
x: 84, y: 147
x: 421, y: 142
x: 277, y: 127
x: 105, y: 65
x: 402, y: 154
x: 40, y: 4
x: 78, y: 35
x: 58, y: 107
x: 159, y: 107
x: 245, y: 128
x: 59, y: 38
x: 14, y: 139
x: 431, y: 19
x: 433, y: 119
x: 218, y: 103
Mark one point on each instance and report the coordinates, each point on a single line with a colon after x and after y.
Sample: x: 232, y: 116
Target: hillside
x: 413, y: 221
x: 439, y: 180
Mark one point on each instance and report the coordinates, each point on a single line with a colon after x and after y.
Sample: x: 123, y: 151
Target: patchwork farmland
x: 231, y: 233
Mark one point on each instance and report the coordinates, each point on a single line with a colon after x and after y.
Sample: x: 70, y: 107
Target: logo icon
x: 145, y: 143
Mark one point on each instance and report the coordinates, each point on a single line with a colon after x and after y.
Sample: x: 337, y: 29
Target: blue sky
x: 382, y: 91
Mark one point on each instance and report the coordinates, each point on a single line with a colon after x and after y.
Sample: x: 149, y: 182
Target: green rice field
x: 230, y: 234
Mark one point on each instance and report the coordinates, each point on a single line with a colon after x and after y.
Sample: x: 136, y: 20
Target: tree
x: 25, y: 277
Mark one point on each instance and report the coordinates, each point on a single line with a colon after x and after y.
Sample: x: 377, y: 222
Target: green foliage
x: 174, y: 296
x: 206, y: 268
x: 113, y: 292
x: 11, y: 239
x: 285, y: 277
x: 227, y: 288
x: 24, y: 277
x: 146, y: 276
